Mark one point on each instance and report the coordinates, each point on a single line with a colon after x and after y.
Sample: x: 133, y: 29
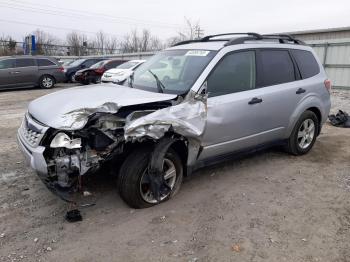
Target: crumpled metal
x: 78, y: 118
x: 187, y: 119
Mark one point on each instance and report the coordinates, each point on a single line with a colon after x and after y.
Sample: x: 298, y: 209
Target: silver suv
x: 29, y: 71
x: 189, y: 106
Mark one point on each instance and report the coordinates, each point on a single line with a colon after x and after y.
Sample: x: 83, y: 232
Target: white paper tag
x: 197, y: 53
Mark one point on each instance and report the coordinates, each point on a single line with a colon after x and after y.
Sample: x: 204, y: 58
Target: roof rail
x: 282, y: 38
x: 209, y: 37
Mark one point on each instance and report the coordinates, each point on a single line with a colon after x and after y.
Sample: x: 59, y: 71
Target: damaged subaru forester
x: 194, y: 104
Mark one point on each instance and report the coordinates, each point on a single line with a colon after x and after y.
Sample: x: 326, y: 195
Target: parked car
x: 79, y: 64
x: 122, y: 72
x: 228, y: 96
x: 94, y: 73
x: 29, y: 71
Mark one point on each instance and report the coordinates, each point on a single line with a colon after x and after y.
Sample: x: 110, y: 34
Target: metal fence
x: 335, y: 57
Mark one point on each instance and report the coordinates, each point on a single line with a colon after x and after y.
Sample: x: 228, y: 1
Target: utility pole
x: 199, y: 32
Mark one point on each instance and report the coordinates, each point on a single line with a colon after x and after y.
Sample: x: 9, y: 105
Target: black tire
x: 46, y: 82
x: 97, y: 80
x: 131, y: 173
x: 85, y: 82
x: 293, y: 143
x: 71, y: 78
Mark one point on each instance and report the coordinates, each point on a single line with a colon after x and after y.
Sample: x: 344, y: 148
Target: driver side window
x: 234, y: 73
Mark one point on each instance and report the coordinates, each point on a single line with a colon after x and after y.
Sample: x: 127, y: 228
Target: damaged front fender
x: 187, y: 119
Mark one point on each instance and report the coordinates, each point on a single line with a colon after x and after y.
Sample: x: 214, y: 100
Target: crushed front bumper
x: 34, y: 155
x: 35, y: 158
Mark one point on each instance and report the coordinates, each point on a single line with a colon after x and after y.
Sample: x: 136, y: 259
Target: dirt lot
x: 267, y: 207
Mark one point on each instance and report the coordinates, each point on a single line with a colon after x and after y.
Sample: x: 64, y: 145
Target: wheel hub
x: 306, y: 133
x: 169, y: 170
x: 47, y: 82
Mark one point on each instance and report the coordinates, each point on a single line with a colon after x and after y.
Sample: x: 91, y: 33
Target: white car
x: 121, y: 72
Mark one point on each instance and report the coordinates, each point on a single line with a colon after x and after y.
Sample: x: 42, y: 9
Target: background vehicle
x: 216, y: 98
x: 94, y: 73
x: 122, y: 72
x: 30, y: 71
x: 79, y: 64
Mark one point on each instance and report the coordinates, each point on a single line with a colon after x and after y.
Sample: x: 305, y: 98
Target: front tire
x: 304, y: 134
x: 132, y: 184
x: 46, y: 82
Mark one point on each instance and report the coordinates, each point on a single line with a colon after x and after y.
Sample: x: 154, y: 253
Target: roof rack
x: 282, y: 38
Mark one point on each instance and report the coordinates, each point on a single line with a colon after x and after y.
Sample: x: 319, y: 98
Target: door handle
x: 255, y: 100
x: 15, y: 72
x: 300, y: 91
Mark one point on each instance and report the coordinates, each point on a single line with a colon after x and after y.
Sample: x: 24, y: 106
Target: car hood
x: 70, y: 109
x: 116, y: 70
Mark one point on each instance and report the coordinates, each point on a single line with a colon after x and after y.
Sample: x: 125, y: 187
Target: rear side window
x: 234, y: 73
x: 113, y: 64
x: 276, y: 67
x: 7, y: 63
x: 45, y: 62
x: 25, y: 62
x: 307, y: 63
x: 89, y: 63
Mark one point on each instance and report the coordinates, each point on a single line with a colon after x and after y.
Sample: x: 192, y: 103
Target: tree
x: 191, y: 31
x: 45, y: 43
x: 77, y: 43
x: 7, y: 45
x: 111, y: 45
x: 134, y: 42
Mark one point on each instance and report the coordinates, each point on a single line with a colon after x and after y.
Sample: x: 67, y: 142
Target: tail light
x: 61, y: 69
x: 328, y: 84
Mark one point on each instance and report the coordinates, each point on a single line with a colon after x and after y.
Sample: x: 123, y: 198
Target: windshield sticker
x: 197, y: 53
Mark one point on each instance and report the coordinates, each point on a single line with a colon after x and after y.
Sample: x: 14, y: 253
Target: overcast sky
x: 165, y: 18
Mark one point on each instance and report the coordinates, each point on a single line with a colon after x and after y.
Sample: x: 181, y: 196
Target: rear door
x: 7, y: 78
x: 26, y: 71
x: 279, y: 86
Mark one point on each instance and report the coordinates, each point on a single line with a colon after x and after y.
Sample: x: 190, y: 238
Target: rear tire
x: 304, y: 134
x: 46, y: 82
x: 71, y: 78
x: 131, y: 179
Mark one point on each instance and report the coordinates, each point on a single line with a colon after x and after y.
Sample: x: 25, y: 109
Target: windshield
x: 77, y: 62
x: 99, y: 64
x: 127, y: 65
x: 174, y: 70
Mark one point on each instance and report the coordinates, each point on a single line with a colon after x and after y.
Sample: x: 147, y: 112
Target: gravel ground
x: 269, y: 206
